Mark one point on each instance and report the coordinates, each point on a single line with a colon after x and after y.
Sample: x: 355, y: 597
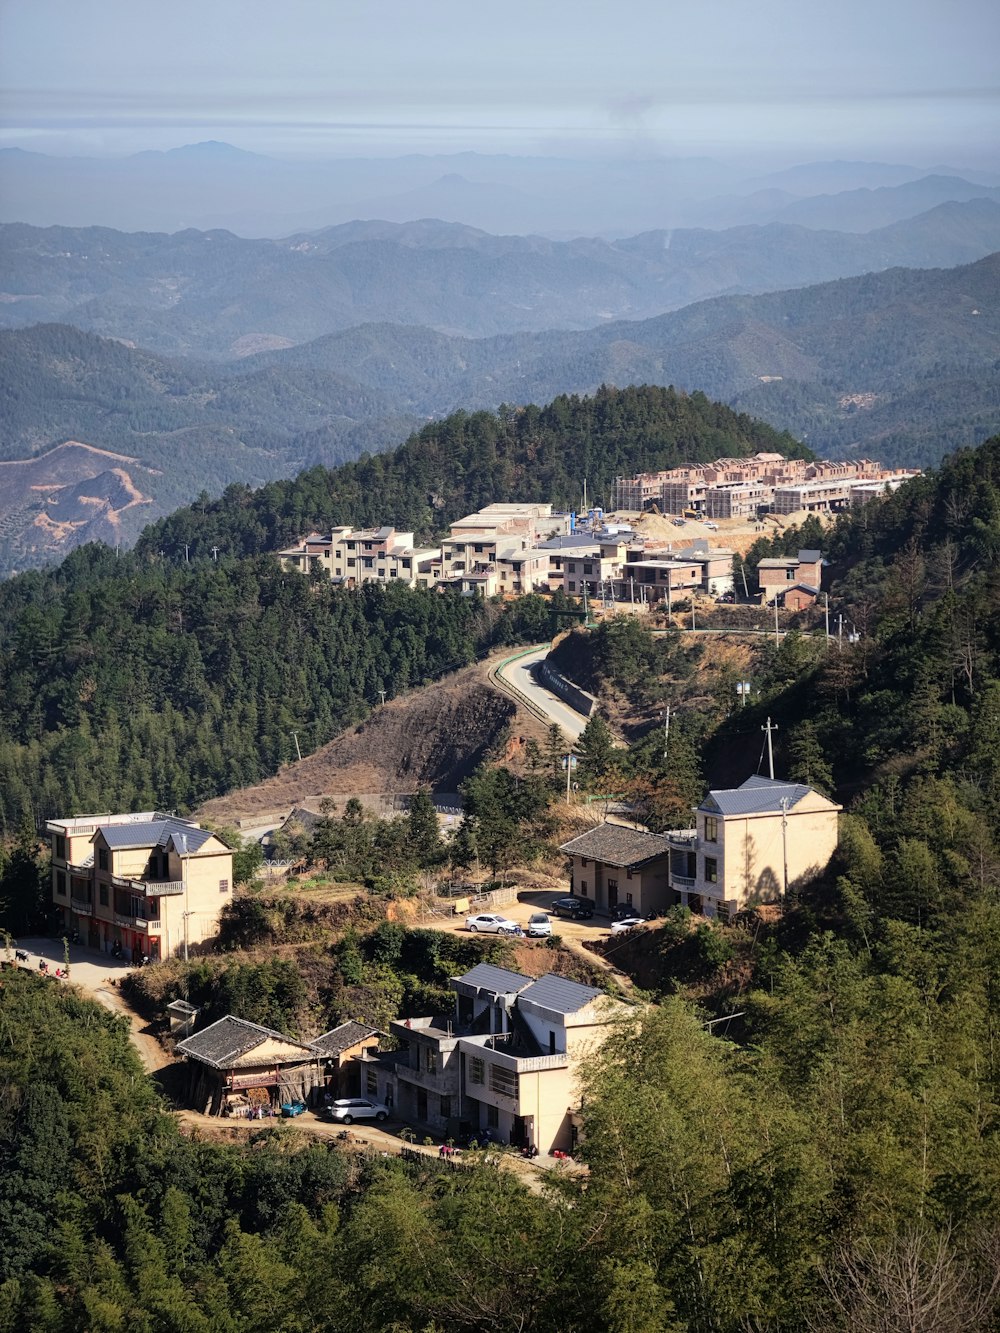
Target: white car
x: 491, y: 923
x: 348, y: 1109
x: 539, y: 925
x: 626, y: 923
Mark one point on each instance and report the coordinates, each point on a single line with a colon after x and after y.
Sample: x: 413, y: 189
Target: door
x: 612, y: 894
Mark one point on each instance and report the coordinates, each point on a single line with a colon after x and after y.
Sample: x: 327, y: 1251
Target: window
x: 61, y: 883
x: 628, y: 872
x: 711, y: 828
x: 492, y: 1118
x: 612, y: 886
x: 102, y: 858
x: 371, y: 1081
x: 503, y: 1081
x: 476, y: 1069
x: 583, y: 887
x: 223, y: 885
x: 102, y: 890
x: 572, y: 586
x: 430, y: 1060
x: 552, y: 1043
x: 61, y: 848
x: 628, y: 899
x: 711, y: 870
x: 583, y: 861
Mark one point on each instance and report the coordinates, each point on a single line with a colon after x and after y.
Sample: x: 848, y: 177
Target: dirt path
x: 371, y: 1139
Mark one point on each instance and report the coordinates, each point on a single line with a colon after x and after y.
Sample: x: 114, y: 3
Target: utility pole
x: 743, y: 571
x: 382, y: 697
x: 186, y: 550
x: 769, y: 727
x: 777, y: 637
x: 666, y: 733
x: 215, y: 554
x: 669, y: 598
x: 295, y: 737
x: 784, y: 847
x: 184, y: 880
x: 840, y: 632
x: 569, y: 774
x: 827, y: 616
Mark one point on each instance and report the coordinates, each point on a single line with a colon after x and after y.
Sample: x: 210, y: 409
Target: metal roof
x: 560, y: 995
x: 341, y: 1038
x: 484, y: 976
x: 756, y: 796
x: 228, y: 1039
x: 155, y: 833
x: 617, y: 845
x: 809, y: 557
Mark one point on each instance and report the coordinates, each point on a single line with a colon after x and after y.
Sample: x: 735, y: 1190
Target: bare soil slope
x: 434, y: 736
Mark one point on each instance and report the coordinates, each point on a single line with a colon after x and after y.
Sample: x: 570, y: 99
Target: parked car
x: 580, y: 909
x: 348, y: 1109
x: 539, y: 925
x: 679, y: 522
x: 727, y: 597
x: 626, y: 923
x: 492, y: 923
x: 714, y: 526
x: 621, y: 910
x: 289, y: 1109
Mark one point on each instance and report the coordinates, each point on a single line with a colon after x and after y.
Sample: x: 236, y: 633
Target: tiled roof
x: 229, y: 1038
x: 156, y: 833
x: 485, y: 976
x: 616, y: 845
x: 560, y: 995
x: 756, y: 796
x: 339, y: 1039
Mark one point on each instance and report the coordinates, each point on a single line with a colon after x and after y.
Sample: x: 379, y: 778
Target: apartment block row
x: 515, y: 549
x: 138, y: 885
x: 751, y: 844
x: 742, y: 488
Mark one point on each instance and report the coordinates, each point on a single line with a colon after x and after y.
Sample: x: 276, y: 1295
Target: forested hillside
x: 471, y: 459
x: 146, y: 679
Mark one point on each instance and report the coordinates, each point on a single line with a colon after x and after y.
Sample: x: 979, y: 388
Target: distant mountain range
x: 215, y: 295
x: 214, y: 185
x: 902, y: 365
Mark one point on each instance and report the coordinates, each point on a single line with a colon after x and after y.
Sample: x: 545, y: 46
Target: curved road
x: 519, y: 676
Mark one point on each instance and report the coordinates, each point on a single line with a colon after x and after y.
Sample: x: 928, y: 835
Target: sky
x: 914, y: 80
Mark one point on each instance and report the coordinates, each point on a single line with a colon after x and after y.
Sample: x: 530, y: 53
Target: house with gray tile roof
x: 757, y: 843
x: 144, y: 884
x: 235, y: 1067
x: 504, y: 1066
x: 612, y: 865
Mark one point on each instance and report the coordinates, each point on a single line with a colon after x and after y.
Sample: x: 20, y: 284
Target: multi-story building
x: 148, y: 883
x: 504, y: 1066
x: 755, y: 843
x: 372, y: 555
x: 612, y: 864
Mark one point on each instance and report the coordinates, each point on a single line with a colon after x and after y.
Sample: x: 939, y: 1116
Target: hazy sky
x: 918, y: 79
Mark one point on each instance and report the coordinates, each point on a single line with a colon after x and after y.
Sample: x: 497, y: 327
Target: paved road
x: 519, y: 675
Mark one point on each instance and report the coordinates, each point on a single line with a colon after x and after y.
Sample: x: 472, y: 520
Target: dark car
x: 579, y: 909
x: 621, y: 910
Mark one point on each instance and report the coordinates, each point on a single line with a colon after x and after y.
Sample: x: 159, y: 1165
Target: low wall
x: 579, y: 700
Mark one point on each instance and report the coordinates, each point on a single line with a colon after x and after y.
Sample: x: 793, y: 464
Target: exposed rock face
x: 64, y: 497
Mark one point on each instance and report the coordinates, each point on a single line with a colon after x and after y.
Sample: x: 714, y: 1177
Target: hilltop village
x: 515, y: 549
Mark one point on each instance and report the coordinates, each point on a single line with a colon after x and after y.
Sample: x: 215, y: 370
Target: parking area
x: 520, y: 910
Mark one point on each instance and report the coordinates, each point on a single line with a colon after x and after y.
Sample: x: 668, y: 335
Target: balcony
x: 149, y: 888
x: 162, y: 888
x: 80, y: 907
x: 686, y: 882
x: 142, y: 925
x: 685, y: 840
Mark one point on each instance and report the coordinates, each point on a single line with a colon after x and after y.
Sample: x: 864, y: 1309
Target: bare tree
x: 918, y: 1282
